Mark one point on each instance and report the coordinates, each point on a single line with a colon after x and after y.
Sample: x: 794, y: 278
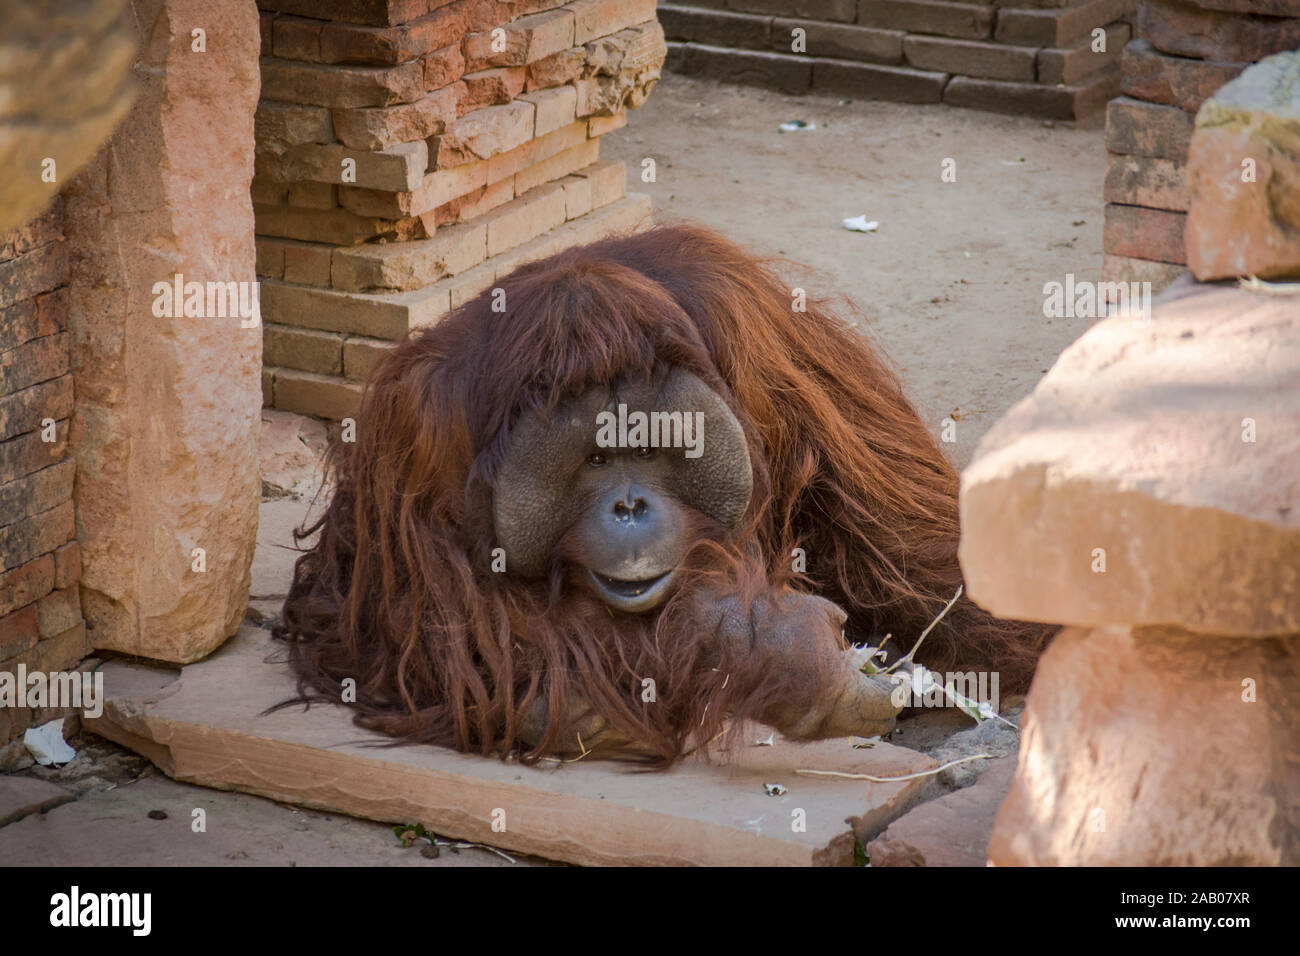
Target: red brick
x: 1079, y: 62
x: 32, y: 273
x: 307, y: 263
x: 309, y: 195
x: 36, y: 361
x: 19, y: 631
x: 1136, y: 128
x: 37, y: 492
x: 526, y: 40
x: 1061, y: 27
x: 372, y: 12
x: 556, y: 69
x: 58, y: 611
x: 1182, y: 30
x: 308, y: 350
x: 40, y: 230
x: 341, y: 87
x: 483, y: 133
x: 491, y: 87
x: 294, y: 38
x: 962, y: 20
x: 67, y: 565
x: 376, y: 129
x: 26, y: 585
x: 1173, y: 80
x: 347, y: 43
x: 1144, y: 233
x: 600, y: 18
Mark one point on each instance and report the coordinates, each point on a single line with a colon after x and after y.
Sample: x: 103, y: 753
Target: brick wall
x: 1184, y: 51
x: 1035, y: 57
x: 40, y: 562
x: 409, y: 152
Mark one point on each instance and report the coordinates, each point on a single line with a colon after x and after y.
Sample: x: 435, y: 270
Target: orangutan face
x: 612, y: 479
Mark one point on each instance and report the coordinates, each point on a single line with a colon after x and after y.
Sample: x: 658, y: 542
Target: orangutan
x: 634, y: 494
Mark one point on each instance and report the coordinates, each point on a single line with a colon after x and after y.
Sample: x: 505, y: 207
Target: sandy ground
x: 951, y: 283
x: 951, y: 288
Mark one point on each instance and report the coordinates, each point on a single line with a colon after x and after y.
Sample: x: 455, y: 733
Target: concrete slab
x: 23, y: 796
x: 208, y: 727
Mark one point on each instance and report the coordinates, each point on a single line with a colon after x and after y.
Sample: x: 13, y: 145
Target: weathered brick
x: 561, y: 164
x: 268, y: 387
x: 475, y: 204
x: 789, y: 74
x: 600, y: 125
x: 524, y: 218
x: 32, y: 273
x: 608, y: 180
x: 308, y: 350
x: 399, y: 167
x: 348, y: 43
x: 879, y: 82
x: 384, y: 127
x: 320, y: 395
x: 492, y: 87
x: 295, y: 38
x: 1129, y: 269
x: 40, y: 491
x: 277, y: 126
x: 67, y: 565
x: 36, y: 361
x: 527, y: 40
x: 265, y: 19
x: 410, y: 265
x: 971, y: 58
x: 1061, y: 27
x: 438, y: 188
x: 60, y: 652
x: 556, y: 69
x: 1146, y: 181
x: 842, y: 11
x: 308, y: 195
x: 1173, y: 80
x: 27, y: 584
x: 361, y: 355
x: 1070, y: 66
x: 307, y: 263
x: 1144, y: 233
x: 1147, y: 129
x: 341, y: 86
x: 373, y: 12
x: 40, y: 230
x: 35, y: 535
x: 962, y: 20
x: 24, y: 410
x: 716, y: 27
x: 443, y: 67
x: 840, y: 41
x: 1033, y: 99
x: 386, y: 316
x: 554, y: 108
x: 29, y: 452
x: 534, y: 151
x: 58, y: 611
x: 484, y: 133
x: 1182, y: 30
x: 270, y: 257
x: 269, y: 191
x: 577, y: 196
x: 19, y: 631
x: 337, y: 226
x: 599, y: 18
x: 43, y: 315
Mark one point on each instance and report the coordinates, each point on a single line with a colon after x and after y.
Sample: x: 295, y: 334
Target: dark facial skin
x: 629, y: 506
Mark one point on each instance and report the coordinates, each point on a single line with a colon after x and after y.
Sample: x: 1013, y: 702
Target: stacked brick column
x: 412, y: 151
x: 40, y: 562
x: 1052, y: 58
x: 1185, y: 50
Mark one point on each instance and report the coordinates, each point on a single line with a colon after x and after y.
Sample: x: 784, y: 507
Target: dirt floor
x: 951, y: 283
x: 951, y: 287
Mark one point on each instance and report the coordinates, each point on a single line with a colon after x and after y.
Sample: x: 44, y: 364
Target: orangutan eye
x: 644, y: 453
x: 596, y: 460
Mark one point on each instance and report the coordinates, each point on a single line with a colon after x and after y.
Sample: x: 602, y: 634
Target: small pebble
x: 157, y: 814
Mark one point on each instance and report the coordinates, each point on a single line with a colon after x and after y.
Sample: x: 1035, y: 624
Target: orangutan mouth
x: 636, y: 595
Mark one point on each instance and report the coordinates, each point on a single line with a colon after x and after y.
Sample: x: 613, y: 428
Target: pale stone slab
x: 1137, y: 443
x: 208, y: 727
x: 1152, y: 747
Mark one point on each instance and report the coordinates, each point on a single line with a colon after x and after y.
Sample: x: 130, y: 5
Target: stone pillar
x: 166, y: 421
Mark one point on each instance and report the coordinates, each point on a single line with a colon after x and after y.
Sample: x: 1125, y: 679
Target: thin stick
x: 906, y: 776
x: 907, y: 658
